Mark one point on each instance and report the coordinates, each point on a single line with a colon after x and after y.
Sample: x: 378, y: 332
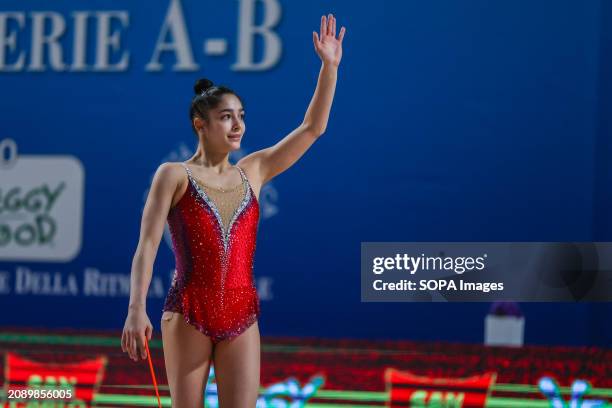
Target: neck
x: 213, y: 160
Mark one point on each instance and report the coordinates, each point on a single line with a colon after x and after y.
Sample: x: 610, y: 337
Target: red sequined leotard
x: 213, y: 286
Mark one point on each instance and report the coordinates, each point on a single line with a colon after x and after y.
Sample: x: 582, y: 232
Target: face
x: 225, y: 125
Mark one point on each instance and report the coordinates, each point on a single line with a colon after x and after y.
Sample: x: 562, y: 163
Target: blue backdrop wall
x: 453, y: 121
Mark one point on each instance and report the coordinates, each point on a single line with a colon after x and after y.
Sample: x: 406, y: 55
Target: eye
x: 226, y: 116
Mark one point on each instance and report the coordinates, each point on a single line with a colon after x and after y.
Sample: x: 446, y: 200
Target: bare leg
x: 187, y: 354
x: 237, y: 363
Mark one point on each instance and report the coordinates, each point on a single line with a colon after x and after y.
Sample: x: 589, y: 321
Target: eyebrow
x: 230, y: 110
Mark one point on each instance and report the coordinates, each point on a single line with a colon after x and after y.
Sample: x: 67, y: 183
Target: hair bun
x: 202, y: 85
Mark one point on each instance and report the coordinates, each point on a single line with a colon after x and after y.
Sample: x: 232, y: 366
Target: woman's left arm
x: 269, y: 162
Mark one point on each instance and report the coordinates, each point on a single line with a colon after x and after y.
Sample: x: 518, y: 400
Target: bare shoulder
x: 169, y: 172
x: 170, y: 176
x: 170, y: 181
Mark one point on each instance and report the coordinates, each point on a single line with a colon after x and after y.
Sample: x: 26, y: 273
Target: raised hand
x: 328, y: 47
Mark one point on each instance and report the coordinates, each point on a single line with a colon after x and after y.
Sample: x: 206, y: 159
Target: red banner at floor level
x: 27, y: 380
x: 409, y: 390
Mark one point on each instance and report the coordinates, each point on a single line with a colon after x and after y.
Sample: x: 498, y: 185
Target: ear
x: 198, y: 123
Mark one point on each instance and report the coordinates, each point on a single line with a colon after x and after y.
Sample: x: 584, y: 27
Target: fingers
x: 142, y: 349
x: 126, y: 343
x: 328, y: 28
x: 132, y: 347
x: 323, y: 26
x: 341, y: 35
x: 315, y: 40
x: 123, y: 345
x: 136, y: 346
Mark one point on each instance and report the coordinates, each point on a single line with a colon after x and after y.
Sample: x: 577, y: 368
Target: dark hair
x: 207, y: 97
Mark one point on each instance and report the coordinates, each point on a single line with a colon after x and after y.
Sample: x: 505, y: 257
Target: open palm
x: 327, y: 46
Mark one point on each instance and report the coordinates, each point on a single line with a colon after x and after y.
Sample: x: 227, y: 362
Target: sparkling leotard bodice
x: 213, y: 286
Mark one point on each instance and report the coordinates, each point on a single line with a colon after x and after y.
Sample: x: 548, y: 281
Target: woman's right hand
x: 137, y: 327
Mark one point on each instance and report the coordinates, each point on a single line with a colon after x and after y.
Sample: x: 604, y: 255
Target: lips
x: 234, y: 137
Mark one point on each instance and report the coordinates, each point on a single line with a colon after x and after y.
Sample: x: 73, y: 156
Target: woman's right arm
x: 137, y: 324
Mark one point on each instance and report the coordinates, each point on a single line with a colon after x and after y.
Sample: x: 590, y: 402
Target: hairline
x: 228, y: 110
